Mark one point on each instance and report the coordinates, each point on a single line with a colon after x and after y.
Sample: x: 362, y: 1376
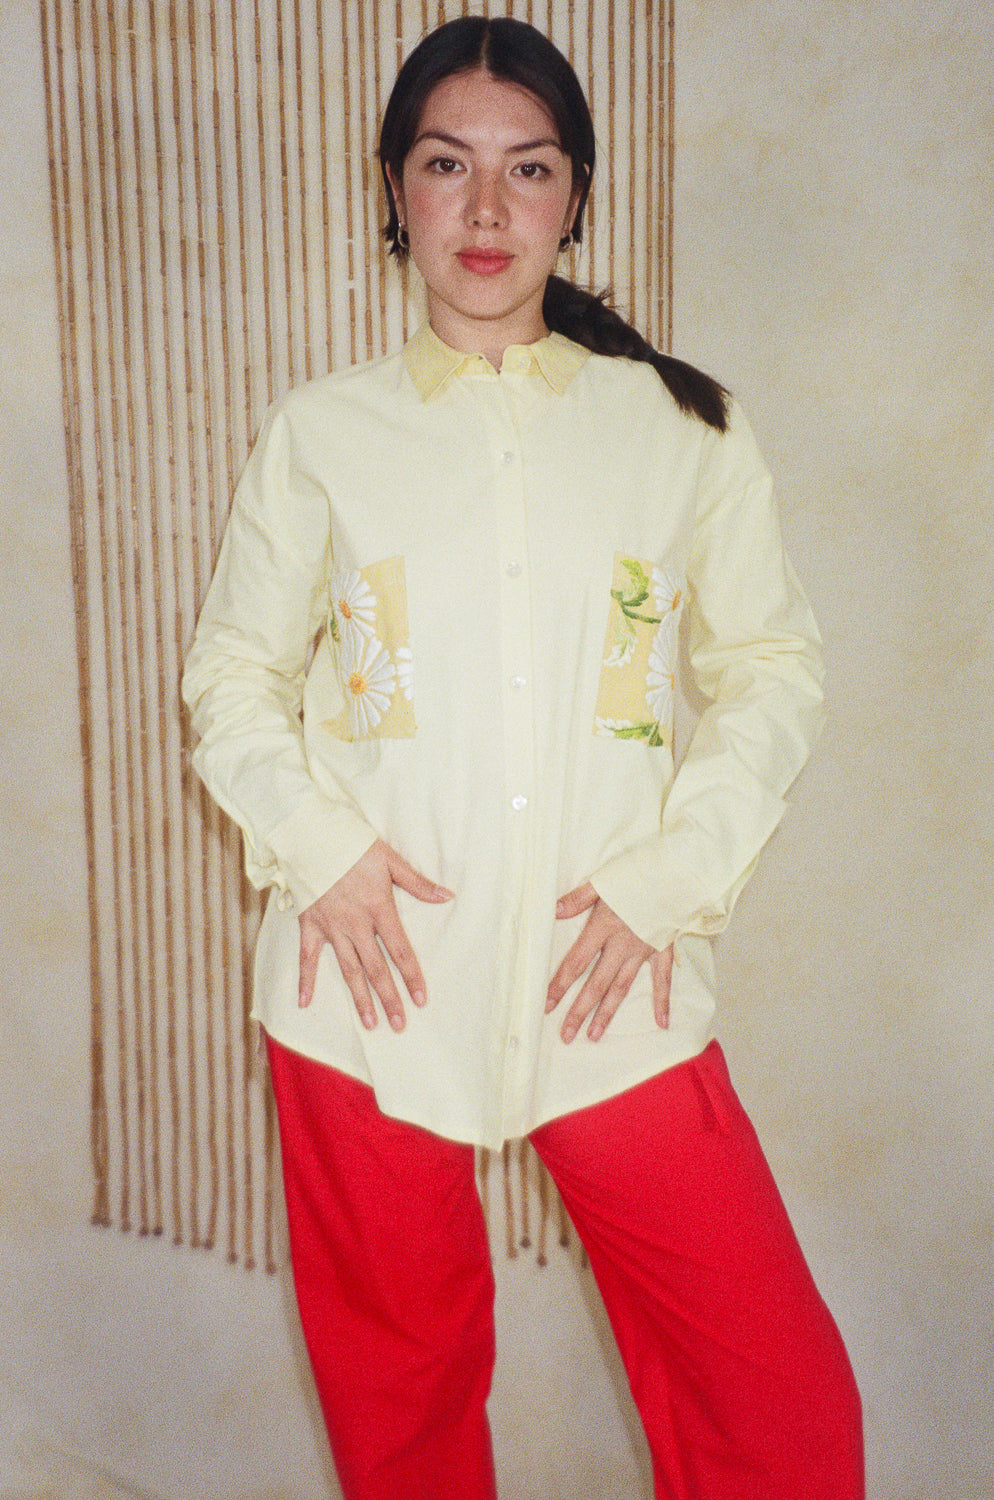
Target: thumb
x: 411, y: 880
x: 581, y: 898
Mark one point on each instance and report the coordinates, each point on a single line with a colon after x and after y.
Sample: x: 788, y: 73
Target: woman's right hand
x: 358, y: 917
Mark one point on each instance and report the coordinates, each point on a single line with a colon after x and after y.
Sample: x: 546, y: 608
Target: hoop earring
x: 566, y: 240
x: 403, y: 240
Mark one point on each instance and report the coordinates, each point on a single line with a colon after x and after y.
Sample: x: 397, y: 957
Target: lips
x: 484, y: 262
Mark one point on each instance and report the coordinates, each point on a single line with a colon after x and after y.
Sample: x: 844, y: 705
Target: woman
x: 492, y: 536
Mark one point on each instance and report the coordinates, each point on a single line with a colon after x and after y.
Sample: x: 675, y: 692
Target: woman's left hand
x: 616, y: 954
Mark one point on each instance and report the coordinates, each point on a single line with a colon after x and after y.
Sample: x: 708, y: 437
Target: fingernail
x: 419, y: 997
x: 368, y: 1020
x: 397, y: 1022
x: 568, y: 1033
x: 595, y: 1031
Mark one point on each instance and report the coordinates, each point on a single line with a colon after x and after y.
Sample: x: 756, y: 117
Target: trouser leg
x: 739, y: 1373
x: 395, y: 1288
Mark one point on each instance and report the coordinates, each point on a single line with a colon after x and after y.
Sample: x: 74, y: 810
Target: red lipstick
x: 484, y: 262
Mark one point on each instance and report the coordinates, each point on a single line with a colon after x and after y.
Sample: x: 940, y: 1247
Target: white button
x: 513, y: 570
x: 517, y: 681
x: 519, y: 803
x: 506, y: 458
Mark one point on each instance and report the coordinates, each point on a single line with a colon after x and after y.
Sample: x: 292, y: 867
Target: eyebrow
x: 453, y: 140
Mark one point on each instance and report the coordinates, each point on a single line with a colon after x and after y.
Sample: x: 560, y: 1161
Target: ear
x: 397, y: 188
x: 572, y: 206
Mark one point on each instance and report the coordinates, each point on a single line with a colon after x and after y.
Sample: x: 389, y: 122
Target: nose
x: 485, y: 204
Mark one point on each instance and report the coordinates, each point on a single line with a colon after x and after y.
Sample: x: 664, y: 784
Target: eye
x: 444, y: 165
x: 534, y: 171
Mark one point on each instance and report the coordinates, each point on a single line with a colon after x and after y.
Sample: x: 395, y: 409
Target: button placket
x: 515, y: 642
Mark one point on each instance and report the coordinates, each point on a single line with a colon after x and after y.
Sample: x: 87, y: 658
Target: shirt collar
x: 432, y: 364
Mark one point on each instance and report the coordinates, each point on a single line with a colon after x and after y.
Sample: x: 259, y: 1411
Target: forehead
x: 482, y: 110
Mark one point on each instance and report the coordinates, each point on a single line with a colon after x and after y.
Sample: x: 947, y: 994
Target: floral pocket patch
x: 367, y: 621
x: 638, y: 673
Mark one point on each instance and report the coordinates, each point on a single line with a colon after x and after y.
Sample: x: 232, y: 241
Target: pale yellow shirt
x: 446, y: 613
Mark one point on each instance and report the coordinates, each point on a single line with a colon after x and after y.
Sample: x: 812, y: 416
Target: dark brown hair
x: 519, y: 54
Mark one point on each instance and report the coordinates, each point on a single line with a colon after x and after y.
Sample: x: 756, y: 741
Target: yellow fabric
x: 522, y: 539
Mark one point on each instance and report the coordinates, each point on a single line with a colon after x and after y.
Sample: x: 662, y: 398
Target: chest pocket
x: 638, y: 671
x: 367, y: 623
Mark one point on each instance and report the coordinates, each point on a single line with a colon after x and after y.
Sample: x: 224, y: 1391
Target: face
x: 486, y: 195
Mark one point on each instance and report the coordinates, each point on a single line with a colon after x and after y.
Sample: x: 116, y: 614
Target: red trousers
x: 738, y: 1371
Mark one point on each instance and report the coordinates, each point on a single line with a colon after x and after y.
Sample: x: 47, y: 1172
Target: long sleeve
x: 753, y: 647
x: 245, y: 675
x: 419, y: 630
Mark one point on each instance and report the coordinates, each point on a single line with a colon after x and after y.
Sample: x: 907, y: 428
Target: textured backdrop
x: 216, y: 214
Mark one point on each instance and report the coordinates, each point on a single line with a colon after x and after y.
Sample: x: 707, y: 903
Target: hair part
x: 517, y: 53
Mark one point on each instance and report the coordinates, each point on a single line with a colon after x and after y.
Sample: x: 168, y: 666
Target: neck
x: 481, y: 336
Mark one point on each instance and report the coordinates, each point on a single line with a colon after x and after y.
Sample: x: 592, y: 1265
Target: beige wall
x: 833, y: 266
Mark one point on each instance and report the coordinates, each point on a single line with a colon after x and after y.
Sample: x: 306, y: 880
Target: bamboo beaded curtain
x: 216, y: 214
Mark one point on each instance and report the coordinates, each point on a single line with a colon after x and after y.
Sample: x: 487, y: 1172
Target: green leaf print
x: 630, y: 600
x: 638, y: 732
x: 622, y: 640
x: 639, y: 591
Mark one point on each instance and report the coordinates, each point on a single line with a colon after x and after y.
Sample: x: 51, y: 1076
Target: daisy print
x: 660, y: 679
x: 353, y: 605
x: 638, y: 667
x: 367, y: 625
x: 404, y: 662
x: 615, y: 728
x: 622, y: 643
x: 368, y: 680
x: 667, y: 593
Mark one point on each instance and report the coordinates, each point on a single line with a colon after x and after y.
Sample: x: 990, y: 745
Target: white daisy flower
x: 368, y: 678
x: 660, y: 680
x: 667, y: 592
x: 612, y: 727
x: 353, y: 602
x: 405, y: 671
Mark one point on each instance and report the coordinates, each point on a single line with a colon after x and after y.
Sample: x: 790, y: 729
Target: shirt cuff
x: 316, y: 845
x: 657, y: 898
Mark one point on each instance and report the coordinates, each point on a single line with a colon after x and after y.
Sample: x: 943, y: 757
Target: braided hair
x: 517, y: 53
x: 588, y: 319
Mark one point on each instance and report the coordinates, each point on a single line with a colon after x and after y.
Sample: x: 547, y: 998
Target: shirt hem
x: 483, y: 1138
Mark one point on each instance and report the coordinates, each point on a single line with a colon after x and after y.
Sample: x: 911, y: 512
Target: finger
x: 352, y: 972
x: 411, y: 880
x: 661, y: 968
x: 580, y: 899
x: 398, y: 945
x: 354, y: 975
x: 576, y: 961
x: 612, y: 998
x: 378, y: 976
x: 311, y: 942
x: 599, y: 983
